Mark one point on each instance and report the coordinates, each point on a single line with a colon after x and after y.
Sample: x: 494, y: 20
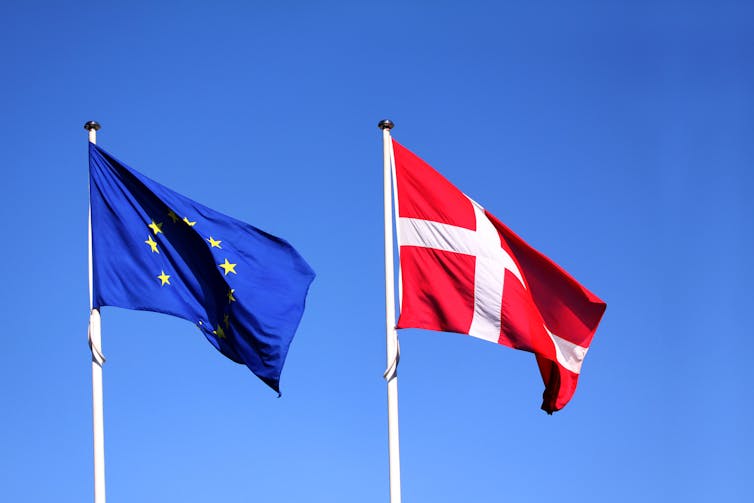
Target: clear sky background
x: 615, y: 137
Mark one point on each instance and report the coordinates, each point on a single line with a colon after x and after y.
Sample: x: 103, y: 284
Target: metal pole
x: 391, y: 374
x: 95, y: 345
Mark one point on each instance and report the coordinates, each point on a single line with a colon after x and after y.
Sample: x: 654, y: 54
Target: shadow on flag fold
x: 156, y: 250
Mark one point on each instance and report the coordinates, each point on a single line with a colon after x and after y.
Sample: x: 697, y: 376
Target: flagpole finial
x: 385, y: 124
x: 92, y: 125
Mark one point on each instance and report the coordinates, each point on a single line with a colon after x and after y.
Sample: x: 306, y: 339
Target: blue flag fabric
x: 156, y: 250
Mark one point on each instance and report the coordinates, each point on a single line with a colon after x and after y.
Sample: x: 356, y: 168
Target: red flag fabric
x: 464, y: 271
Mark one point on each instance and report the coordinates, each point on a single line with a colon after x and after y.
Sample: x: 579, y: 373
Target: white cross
x: 492, y: 260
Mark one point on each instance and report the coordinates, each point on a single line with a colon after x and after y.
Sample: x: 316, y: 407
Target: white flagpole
x: 95, y: 345
x: 391, y: 374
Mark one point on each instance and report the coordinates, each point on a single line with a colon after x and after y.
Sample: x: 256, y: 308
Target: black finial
x: 92, y: 125
x: 385, y: 124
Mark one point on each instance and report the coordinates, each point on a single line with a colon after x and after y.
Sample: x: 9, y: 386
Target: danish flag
x: 464, y: 271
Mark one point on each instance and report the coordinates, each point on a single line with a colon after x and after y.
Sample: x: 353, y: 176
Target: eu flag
x: 156, y: 250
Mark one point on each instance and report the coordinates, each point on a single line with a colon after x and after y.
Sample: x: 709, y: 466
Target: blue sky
x: 615, y: 137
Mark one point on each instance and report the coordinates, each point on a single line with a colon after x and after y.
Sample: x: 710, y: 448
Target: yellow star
x: 152, y: 244
x: 219, y: 332
x: 228, y: 267
x: 214, y: 243
x: 226, y: 320
x: 190, y: 224
x: 156, y: 227
x: 165, y: 278
x: 173, y: 216
x: 230, y: 295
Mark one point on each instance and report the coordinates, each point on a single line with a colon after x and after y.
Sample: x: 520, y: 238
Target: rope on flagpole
x: 95, y: 348
x: 392, y: 368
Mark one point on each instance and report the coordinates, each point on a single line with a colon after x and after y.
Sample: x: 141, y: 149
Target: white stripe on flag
x: 491, y: 262
x: 569, y: 355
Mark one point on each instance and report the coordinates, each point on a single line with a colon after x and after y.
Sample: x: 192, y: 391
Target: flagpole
x: 391, y: 374
x: 95, y: 345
